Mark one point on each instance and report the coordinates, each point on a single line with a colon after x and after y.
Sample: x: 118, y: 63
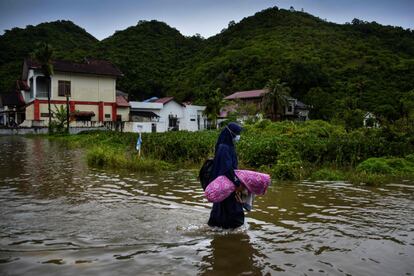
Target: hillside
x: 148, y: 54
x: 330, y: 66
x: 69, y: 41
x: 335, y: 68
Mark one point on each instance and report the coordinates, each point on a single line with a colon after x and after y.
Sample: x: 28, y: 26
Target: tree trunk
x: 67, y: 113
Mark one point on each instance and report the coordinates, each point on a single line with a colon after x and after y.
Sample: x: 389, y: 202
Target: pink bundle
x: 221, y: 187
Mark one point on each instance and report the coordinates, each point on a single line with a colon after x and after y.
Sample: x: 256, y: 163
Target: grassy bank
x: 286, y: 150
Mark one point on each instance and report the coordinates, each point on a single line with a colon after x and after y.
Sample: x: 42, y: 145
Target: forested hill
x: 69, y: 41
x: 357, y: 66
x: 148, y: 54
x: 330, y: 66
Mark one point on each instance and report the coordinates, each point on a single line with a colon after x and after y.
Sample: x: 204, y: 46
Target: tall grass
x: 101, y: 156
x: 287, y: 150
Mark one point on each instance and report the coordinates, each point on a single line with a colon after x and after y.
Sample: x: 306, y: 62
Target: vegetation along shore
x: 314, y: 150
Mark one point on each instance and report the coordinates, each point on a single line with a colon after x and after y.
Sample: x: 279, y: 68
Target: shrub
x: 328, y: 174
x: 410, y: 157
x: 107, y: 157
x: 375, y: 165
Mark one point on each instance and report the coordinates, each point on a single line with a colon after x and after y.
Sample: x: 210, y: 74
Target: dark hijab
x: 225, y: 159
x: 227, y: 134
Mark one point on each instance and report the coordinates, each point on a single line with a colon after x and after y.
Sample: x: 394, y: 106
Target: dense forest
x: 341, y: 70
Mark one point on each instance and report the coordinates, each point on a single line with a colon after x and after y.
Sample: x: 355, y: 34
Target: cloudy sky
x: 102, y: 18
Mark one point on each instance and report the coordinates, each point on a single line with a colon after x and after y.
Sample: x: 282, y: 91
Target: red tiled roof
x: 246, y: 94
x: 121, y: 101
x: 90, y: 66
x: 164, y: 100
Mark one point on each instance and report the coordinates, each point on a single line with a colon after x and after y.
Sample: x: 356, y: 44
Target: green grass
x: 106, y: 157
x: 328, y: 174
x: 314, y: 150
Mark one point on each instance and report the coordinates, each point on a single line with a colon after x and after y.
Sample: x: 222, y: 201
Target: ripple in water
x: 57, y: 216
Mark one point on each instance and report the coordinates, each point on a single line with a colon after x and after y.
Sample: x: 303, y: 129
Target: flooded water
x: 59, y: 217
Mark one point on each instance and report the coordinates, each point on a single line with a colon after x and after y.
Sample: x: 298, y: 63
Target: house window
x: 41, y: 87
x: 290, y: 108
x: 63, y: 88
x: 107, y: 116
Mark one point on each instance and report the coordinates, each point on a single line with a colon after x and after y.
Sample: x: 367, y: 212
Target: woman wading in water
x: 228, y: 213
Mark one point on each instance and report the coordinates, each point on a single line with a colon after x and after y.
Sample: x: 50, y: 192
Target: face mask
x: 237, y: 138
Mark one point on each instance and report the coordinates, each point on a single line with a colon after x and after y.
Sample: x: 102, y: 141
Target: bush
x: 110, y: 158
x: 328, y: 174
x: 410, y: 158
x: 375, y: 165
x: 288, y: 166
x: 394, y: 166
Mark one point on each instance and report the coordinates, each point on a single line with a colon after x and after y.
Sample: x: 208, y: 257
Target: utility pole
x: 67, y: 110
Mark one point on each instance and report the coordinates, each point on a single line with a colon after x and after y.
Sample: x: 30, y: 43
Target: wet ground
x: 59, y: 217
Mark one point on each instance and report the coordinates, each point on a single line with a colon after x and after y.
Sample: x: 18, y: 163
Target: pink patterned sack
x: 221, y: 187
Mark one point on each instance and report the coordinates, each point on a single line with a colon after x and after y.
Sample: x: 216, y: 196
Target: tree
x: 44, y: 54
x: 275, y: 98
x: 407, y: 104
x: 61, y: 118
x: 214, y: 102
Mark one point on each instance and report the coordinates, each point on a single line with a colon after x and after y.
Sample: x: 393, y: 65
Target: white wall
x: 171, y: 108
x: 143, y: 127
x: 193, y: 113
x: 184, y: 114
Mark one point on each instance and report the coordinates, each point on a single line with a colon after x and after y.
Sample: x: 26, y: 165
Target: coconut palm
x: 276, y: 98
x: 214, y: 103
x: 44, y: 54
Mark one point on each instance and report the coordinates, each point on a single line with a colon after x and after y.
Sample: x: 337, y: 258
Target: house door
x: 153, y: 127
x: 198, y: 122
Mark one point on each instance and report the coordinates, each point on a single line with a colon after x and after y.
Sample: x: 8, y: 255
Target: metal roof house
x: 295, y: 110
x: 165, y: 114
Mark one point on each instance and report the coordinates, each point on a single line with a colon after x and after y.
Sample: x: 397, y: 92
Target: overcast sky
x: 102, y: 18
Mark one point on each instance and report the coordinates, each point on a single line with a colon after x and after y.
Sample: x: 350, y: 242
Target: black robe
x: 228, y: 213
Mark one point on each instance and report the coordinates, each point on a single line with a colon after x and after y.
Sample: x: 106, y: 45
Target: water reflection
x: 233, y: 251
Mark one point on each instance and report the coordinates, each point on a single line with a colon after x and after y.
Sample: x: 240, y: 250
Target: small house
x: 165, y: 114
x: 294, y: 110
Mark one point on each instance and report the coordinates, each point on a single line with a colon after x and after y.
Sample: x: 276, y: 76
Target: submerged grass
x: 106, y: 157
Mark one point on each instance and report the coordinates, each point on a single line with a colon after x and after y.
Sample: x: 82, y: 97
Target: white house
x: 370, y: 120
x: 165, y: 114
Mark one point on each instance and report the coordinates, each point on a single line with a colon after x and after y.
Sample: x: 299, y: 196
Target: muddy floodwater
x: 60, y: 217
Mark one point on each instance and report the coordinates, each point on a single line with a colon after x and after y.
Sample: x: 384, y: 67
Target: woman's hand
x: 239, y: 191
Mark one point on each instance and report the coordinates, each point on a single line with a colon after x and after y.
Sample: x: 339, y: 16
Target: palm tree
x: 276, y: 98
x: 213, y: 105
x: 44, y: 54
